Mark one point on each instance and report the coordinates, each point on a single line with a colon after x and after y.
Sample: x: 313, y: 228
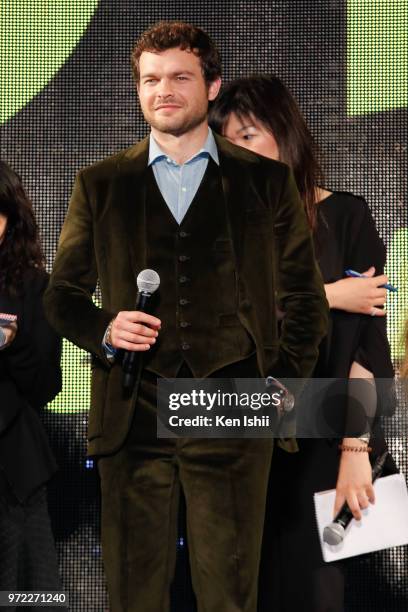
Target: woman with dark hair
x: 30, y: 377
x: 260, y: 114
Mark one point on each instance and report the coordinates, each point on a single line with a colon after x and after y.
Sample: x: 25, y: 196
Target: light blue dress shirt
x: 178, y: 184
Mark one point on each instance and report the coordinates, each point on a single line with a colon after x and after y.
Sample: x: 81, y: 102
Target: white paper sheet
x: 383, y: 525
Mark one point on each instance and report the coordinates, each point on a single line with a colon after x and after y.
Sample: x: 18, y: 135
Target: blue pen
x: 358, y: 275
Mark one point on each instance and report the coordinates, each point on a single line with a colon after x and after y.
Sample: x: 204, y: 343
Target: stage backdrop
x: 67, y: 100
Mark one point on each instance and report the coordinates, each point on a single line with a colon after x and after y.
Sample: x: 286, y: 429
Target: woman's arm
x: 365, y: 252
x: 354, y: 482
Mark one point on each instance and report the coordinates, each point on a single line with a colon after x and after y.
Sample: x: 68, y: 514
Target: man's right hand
x: 134, y: 330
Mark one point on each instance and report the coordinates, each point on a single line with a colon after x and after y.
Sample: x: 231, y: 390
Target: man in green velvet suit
x: 226, y: 232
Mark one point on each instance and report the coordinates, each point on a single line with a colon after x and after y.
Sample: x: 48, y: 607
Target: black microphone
x: 335, y: 532
x: 148, y: 281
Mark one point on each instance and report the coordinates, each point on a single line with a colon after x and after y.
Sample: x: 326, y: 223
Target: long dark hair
x: 21, y: 248
x: 268, y: 100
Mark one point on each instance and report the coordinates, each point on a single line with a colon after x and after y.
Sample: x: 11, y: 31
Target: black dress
x: 30, y: 377
x: 293, y: 574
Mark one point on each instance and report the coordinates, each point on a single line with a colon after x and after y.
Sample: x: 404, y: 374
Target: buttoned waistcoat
x: 197, y: 301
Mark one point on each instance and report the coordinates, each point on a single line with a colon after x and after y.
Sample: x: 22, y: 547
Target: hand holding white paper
x: 383, y: 525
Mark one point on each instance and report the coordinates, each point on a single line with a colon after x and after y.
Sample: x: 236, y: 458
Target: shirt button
x: 184, y: 189
x: 183, y: 258
x: 183, y: 234
x: 183, y: 302
x: 184, y: 324
x: 185, y: 346
x: 183, y: 279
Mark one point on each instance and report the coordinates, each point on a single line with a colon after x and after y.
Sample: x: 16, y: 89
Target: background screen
x: 68, y: 100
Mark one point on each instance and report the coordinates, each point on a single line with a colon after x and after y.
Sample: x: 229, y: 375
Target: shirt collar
x: 208, y: 149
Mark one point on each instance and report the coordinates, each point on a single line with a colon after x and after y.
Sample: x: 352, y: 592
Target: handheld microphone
x: 334, y: 533
x: 148, y: 281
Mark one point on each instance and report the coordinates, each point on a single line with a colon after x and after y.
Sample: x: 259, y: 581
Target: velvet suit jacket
x: 103, y: 238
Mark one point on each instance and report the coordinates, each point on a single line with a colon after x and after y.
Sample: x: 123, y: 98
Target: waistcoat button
x: 184, y: 324
x: 185, y: 346
x: 183, y: 234
x: 183, y: 302
x: 183, y: 279
x: 183, y: 257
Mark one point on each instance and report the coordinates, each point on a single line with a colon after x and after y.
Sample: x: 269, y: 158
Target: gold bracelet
x: 355, y: 449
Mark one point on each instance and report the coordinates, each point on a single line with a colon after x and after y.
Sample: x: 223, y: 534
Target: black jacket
x: 30, y: 377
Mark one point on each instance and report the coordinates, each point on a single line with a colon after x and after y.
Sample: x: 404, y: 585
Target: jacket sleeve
x: 374, y: 351
x: 33, y: 358
x: 369, y: 250
x: 68, y: 299
x: 300, y: 289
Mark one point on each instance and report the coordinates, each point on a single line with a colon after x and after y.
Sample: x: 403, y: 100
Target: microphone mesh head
x: 148, y: 281
x: 333, y: 534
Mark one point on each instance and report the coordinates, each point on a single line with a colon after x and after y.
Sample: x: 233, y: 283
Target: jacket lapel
x: 236, y: 187
x: 132, y: 173
x: 132, y: 178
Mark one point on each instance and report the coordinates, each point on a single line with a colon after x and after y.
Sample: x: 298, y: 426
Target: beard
x: 177, y: 126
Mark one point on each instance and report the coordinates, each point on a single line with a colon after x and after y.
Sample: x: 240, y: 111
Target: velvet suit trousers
x: 224, y: 482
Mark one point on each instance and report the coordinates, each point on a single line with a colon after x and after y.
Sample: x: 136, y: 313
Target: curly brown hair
x: 21, y: 248
x: 172, y: 34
